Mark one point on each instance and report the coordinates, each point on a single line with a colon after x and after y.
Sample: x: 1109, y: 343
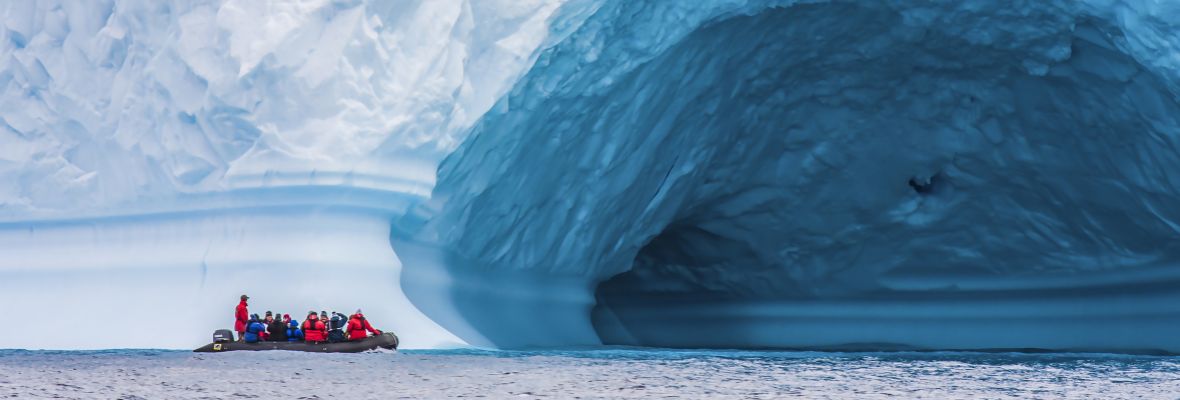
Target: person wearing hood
x: 314, y: 330
x: 358, y: 325
x: 294, y: 334
x: 241, y: 317
x: 276, y: 330
x: 336, y: 328
x: 254, y: 329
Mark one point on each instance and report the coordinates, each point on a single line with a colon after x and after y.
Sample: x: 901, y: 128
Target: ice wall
x: 168, y: 280
x: 107, y: 103
x: 733, y: 174
x: 159, y: 157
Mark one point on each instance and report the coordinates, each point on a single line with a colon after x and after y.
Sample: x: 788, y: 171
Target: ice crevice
x: 823, y: 175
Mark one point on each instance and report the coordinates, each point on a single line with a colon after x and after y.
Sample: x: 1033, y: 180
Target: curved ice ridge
x: 763, y: 174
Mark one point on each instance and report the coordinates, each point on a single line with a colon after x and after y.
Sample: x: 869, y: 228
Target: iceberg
x: 156, y: 159
x: 737, y: 174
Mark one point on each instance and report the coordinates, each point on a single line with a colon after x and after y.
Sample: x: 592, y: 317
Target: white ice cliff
x: 902, y: 174
x: 202, y: 149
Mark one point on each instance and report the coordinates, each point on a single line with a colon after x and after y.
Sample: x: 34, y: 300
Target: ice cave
x: 548, y: 173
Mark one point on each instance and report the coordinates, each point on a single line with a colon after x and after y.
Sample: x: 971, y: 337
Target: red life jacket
x: 240, y: 317
x: 357, y: 325
x: 314, y: 331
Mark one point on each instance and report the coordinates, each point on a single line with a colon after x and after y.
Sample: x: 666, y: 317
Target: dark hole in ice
x: 680, y: 274
x: 925, y: 186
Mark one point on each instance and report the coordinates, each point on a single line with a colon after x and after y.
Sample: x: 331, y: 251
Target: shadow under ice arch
x: 750, y: 186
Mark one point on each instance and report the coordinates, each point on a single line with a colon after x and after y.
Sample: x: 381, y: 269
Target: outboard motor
x: 223, y: 335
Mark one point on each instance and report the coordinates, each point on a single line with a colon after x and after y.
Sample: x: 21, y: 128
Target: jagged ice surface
x: 728, y: 173
x: 120, y: 101
x: 744, y: 179
x: 131, y: 126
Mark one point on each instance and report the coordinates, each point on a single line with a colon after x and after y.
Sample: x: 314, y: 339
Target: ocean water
x: 585, y: 374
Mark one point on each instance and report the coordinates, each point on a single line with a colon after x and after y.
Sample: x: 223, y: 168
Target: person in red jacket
x: 241, y: 315
x: 357, y: 325
x: 314, y: 330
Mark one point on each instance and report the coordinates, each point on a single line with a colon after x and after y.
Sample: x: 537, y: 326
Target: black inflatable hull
x: 385, y: 340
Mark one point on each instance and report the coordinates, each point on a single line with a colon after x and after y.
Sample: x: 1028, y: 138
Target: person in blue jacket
x: 254, y: 329
x: 294, y: 334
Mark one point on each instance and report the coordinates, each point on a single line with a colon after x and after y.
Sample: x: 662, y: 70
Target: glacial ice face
x: 747, y: 175
x: 157, y: 159
x: 122, y: 103
x: 722, y: 173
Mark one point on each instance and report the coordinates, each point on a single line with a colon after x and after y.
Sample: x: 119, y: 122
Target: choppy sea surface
x: 585, y: 374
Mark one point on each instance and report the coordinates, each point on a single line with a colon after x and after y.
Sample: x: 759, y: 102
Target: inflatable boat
x: 385, y: 340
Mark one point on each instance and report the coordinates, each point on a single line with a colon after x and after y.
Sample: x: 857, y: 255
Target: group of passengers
x: 316, y: 328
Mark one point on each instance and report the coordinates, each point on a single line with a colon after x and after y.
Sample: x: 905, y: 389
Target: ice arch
x: 748, y: 181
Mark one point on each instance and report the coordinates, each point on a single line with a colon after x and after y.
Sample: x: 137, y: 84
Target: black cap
x: 269, y: 313
x: 244, y: 297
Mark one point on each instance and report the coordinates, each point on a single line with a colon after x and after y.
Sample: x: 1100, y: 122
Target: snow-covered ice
x: 546, y: 173
x: 162, y: 158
